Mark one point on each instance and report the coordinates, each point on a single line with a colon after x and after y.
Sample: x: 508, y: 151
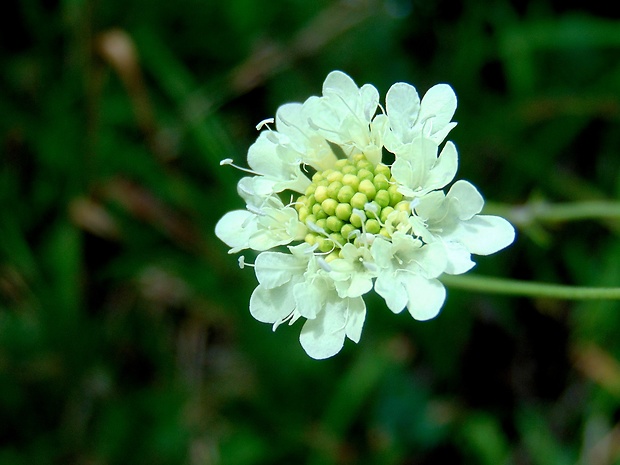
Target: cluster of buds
x: 345, y: 203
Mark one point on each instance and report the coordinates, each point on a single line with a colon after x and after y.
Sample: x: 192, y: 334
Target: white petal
x: 403, y: 106
x: 289, y: 120
x: 413, y: 164
x: 429, y: 261
x: 274, y: 268
x: 309, y: 299
x: 369, y: 99
x: 271, y: 305
x: 438, y: 107
x: 340, y: 83
x: 355, y: 319
x: 245, y: 189
x: 439, y: 136
x: 445, y: 168
x: 264, y: 239
x: 392, y: 290
x: 324, y: 336
x: 278, y: 174
x: 404, y: 174
x: 484, y: 235
x: 262, y: 156
x: 381, y: 251
x: 233, y: 230
x: 431, y: 205
x: 361, y: 283
x: 264, y: 186
x: 466, y: 199
x: 426, y: 297
x: 459, y: 258
x: 350, y: 102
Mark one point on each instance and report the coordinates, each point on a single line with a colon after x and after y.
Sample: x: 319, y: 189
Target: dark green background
x: 125, y: 336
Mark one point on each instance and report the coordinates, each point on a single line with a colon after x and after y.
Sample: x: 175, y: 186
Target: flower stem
x: 556, y: 213
x: 529, y: 288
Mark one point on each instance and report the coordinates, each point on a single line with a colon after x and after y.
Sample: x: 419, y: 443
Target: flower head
x: 357, y: 224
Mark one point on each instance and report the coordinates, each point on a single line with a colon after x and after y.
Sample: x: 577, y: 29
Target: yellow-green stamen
x: 343, y: 202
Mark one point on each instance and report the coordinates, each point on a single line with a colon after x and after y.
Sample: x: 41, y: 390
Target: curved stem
x: 529, y: 288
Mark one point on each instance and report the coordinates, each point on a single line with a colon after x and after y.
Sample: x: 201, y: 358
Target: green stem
x: 529, y: 288
x: 555, y: 213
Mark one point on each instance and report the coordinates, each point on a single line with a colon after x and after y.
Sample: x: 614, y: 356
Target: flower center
x: 348, y: 201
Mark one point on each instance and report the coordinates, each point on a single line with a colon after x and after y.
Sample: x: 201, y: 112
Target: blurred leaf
x: 542, y: 446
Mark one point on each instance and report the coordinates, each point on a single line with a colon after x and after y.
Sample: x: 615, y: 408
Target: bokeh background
x: 125, y: 336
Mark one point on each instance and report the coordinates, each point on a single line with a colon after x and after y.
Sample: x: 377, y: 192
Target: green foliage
x: 125, y: 335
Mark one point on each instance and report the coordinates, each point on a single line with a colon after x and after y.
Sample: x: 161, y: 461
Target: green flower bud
x: 367, y: 188
x: 334, y: 176
x: 381, y: 182
x: 373, y: 226
x: 383, y: 198
x: 321, y: 215
x: 337, y: 239
x: 342, y: 163
x: 321, y: 223
x: 334, y: 223
x: 356, y: 220
x: 320, y: 193
x: 372, y: 209
x: 343, y: 211
x: 365, y: 174
x: 332, y: 256
x: 329, y: 206
x: 364, y: 165
x: 351, y: 180
x: 384, y: 170
x: 303, y: 213
x: 346, y: 194
x: 324, y: 244
x: 395, y: 196
x: 310, y: 238
x: 347, y: 230
x: 349, y: 169
x: 333, y: 189
x: 402, y: 206
x: 359, y: 200
x: 300, y: 202
x: 385, y: 212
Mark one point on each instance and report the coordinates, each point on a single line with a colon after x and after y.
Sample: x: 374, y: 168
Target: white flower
x: 453, y: 219
x: 275, y: 172
x: 409, y: 118
x: 345, y: 113
x: 418, y: 170
x: 354, y: 272
x: 298, y: 141
x: 356, y: 224
x: 408, y: 269
x: 265, y: 224
x: 294, y: 285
